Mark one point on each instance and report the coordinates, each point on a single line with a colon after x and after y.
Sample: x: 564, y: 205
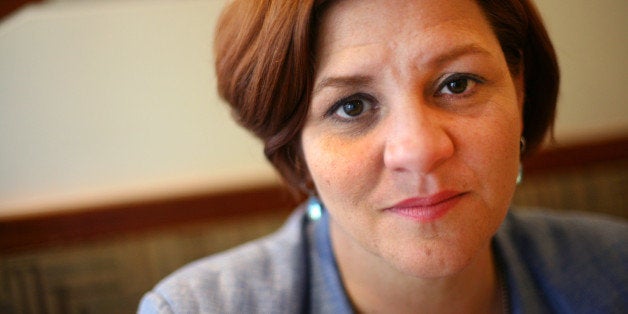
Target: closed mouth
x: 427, y: 209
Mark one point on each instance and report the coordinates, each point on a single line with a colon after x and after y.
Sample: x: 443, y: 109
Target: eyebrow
x: 343, y: 81
x: 364, y: 80
x: 456, y: 52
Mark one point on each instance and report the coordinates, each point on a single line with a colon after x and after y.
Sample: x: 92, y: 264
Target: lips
x: 427, y: 209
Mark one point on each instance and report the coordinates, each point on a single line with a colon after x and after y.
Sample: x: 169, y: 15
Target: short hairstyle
x: 265, y: 68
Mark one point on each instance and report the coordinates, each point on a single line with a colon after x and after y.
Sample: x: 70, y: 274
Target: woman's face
x: 412, y: 136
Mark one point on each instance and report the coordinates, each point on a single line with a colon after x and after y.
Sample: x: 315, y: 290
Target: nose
x: 418, y: 140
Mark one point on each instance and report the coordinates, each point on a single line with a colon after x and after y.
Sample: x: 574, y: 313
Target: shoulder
x: 562, y: 234
x: 572, y: 260
x: 263, y: 274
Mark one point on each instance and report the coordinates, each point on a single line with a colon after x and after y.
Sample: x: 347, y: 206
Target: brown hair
x: 265, y: 69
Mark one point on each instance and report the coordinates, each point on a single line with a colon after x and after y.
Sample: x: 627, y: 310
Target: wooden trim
x: 85, y: 224
x: 81, y: 225
x: 568, y: 157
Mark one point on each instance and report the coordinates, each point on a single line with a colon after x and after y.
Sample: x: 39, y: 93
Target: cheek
x: 499, y: 144
x: 341, y: 170
x: 499, y: 130
x: 496, y: 152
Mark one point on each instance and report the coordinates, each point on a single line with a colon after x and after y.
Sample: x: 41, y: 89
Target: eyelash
x: 368, y: 100
x: 468, y: 77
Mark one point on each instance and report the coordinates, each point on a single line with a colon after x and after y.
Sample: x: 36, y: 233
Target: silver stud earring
x: 314, y: 208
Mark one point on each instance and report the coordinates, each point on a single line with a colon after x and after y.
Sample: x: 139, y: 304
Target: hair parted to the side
x: 265, y: 69
x: 265, y: 60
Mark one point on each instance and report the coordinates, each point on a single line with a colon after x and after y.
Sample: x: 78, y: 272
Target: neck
x: 373, y: 285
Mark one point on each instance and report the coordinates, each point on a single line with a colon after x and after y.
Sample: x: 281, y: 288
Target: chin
x: 458, y: 242
x: 437, y: 262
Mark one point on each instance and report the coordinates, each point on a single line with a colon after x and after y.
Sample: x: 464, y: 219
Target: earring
x: 314, y: 208
x: 522, y: 149
x: 520, y: 175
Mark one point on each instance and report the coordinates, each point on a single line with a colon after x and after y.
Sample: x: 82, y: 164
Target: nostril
x: 418, y: 153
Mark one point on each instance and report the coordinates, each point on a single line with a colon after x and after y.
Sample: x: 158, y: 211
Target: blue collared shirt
x: 553, y: 263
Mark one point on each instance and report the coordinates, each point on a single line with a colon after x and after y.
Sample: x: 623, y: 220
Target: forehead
x: 419, y: 27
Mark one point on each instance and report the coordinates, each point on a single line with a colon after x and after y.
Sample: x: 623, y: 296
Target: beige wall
x: 103, y: 101
x: 110, y: 100
x: 591, y: 40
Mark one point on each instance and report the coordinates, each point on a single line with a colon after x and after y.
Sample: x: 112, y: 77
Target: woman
x: 405, y: 121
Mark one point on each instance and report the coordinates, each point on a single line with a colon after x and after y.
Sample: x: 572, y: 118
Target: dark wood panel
x: 559, y: 157
x: 83, y: 224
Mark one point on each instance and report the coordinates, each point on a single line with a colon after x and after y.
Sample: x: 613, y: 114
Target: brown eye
x: 459, y: 83
x: 353, y: 108
x: 458, y: 86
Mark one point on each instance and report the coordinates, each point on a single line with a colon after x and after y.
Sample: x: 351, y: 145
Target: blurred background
x: 119, y: 163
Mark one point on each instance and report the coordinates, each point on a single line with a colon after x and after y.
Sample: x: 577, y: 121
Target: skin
x: 411, y: 135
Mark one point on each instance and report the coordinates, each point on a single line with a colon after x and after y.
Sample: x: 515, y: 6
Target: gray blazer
x: 553, y: 263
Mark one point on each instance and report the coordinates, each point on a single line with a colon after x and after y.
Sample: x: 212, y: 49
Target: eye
x: 352, y: 107
x: 457, y: 86
x: 458, y: 83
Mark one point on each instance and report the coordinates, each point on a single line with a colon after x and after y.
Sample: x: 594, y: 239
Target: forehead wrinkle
x: 436, y: 60
x: 368, y: 54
